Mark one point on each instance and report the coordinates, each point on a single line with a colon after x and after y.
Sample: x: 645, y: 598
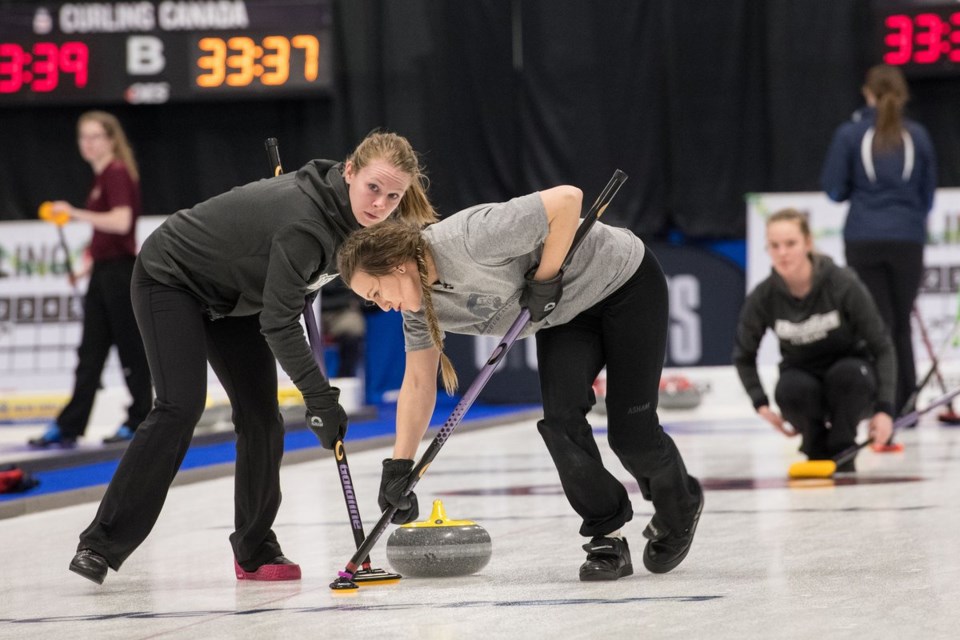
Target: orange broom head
x: 812, y: 469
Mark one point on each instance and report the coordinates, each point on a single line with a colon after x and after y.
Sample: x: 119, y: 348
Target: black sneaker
x: 607, y: 559
x: 90, y: 564
x: 666, y: 549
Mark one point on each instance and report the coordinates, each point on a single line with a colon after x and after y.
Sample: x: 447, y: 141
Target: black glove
x: 541, y: 297
x: 392, y: 483
x: 329, y: 424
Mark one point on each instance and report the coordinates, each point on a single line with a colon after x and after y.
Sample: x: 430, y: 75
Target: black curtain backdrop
x: 699, y: 102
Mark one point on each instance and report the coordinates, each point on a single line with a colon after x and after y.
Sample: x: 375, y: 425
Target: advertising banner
x: 40, y: 312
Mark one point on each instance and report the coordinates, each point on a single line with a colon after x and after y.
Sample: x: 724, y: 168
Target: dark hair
x: 377, y: 251
x: 889, y: 87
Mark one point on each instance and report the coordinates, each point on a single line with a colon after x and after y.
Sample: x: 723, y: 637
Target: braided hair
x: 377, y: 251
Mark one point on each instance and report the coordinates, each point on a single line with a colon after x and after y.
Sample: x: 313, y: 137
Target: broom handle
x: 596, y: 210
x: 850, y: 453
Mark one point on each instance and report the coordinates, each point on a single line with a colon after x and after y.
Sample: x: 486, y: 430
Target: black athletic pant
x: 843, y: 396
x: 179, y: 340
x: 627, y: 332
x: 108, y: 320
x: 892, y: 272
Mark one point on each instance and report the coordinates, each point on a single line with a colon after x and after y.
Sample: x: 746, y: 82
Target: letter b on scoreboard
x: 145, y: 56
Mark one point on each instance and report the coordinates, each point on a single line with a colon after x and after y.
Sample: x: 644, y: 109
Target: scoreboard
x: 920, y: 36
x: 154, y: 52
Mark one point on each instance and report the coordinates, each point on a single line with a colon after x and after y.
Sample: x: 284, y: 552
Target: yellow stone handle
x: 438, y: 518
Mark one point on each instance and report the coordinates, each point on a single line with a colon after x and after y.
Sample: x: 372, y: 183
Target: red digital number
x: 954, y: 37
x: 929, y: 38
x: 73, y: 59
x: 11, y: 68
x: 45, y: 67
x: 900, y: 40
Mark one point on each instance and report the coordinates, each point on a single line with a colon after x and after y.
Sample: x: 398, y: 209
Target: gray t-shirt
x: 482, y: 254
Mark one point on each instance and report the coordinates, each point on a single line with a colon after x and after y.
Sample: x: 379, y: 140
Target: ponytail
x: 414, y: 207
x: 889, y: 87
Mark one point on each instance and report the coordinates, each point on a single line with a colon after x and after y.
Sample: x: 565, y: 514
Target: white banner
x: 938, y: 300
x: 40, y: 313
x: 40, y: 324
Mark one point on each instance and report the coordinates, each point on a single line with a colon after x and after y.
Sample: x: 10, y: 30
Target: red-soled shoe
x: 891, y: 447
x: 280, y: 568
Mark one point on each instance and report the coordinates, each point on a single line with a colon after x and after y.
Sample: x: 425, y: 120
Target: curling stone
x: 439, y: 547
x: 677, y: 392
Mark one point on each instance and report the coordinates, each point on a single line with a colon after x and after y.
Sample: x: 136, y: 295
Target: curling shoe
x: 90, y: 564
x: 280, y: 568
x: 666, y: 549
x: 123, y: 434
x: 53, y: 436
x: 891, y: 447
x: 607, y: 559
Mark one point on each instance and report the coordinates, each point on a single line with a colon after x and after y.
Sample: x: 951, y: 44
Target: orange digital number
x: 243, y: 62
x: 311, y: 52
x: 279, y: 61
x: 214, y: 62
x: 239, y: 61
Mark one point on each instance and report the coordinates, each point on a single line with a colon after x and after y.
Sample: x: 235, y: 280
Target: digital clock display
x: 272, y: 60
x: 921, y: 37
x: 39, y: 67
x: 155, y: 52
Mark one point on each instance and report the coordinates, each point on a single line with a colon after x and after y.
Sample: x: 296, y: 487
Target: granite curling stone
x: 439, y: 547
x: 677, y: 392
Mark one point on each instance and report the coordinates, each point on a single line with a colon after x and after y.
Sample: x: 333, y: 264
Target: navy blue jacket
x: 892, y: 205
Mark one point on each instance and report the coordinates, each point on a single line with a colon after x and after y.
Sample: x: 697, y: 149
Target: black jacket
x: 261, y: 248
x: 837, y: 319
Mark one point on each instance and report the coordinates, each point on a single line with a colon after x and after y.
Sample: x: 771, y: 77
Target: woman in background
x: 112, y: 209
x: 838, y: 365
x: 885, y: 165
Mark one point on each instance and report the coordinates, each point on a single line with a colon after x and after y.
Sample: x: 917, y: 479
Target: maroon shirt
x: 114, y: 187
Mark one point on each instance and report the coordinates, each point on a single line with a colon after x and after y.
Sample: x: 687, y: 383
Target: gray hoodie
x: 482, y: 254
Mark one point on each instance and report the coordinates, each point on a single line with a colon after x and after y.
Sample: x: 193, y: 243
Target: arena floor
x: 873, y: 555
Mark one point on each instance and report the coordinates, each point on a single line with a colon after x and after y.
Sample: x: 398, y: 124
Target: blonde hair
x: 792, y: 215
x: 377, y: 251
x: 889, y: 87
x: 802, y: 220
x: 414, y: 206
x: 121, y: 146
